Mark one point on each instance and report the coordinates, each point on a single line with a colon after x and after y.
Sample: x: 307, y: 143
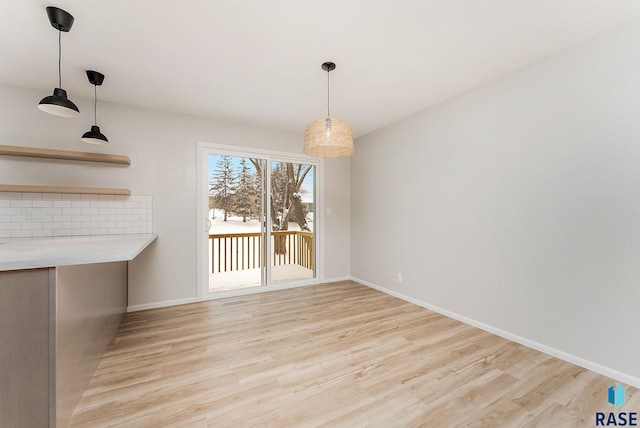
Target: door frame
x: 202, y: 203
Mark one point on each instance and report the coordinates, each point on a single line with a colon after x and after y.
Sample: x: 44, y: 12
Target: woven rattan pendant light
x: 328, y: 137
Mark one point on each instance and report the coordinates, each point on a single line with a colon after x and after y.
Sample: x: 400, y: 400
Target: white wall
x: 162, y: 147
x: 517, y: 204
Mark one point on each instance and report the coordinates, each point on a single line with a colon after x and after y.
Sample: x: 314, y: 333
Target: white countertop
x: 33, y: 253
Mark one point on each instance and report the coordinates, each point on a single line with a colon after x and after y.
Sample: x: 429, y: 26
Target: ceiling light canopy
x: 329, y: 137
x: 94, y: 136
x: 58, y: 104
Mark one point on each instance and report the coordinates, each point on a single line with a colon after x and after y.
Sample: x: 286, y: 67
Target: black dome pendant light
x: 95, y: 136
x: 58, y: 104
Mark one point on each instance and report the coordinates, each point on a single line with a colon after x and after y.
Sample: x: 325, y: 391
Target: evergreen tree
x: 245, y: 192
x: 256, y: 207
x: 223, y: 184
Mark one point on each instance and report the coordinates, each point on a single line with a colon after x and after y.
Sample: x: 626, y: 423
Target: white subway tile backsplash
x: 55, y: 214
x: 52, y: 196
x: 90, y: 211
x: 10, y: 226
x: 71, y: 197
x: 32, y: 196
x: 62, y: 204
x: 32, y: 225
x: 51, y: 226
x: 42, y: 204
x: 19, y: 203
x: 10, y: 211
x: 90, y: 197
x: 10, y: 195
x: 72, y: 211
x: 21, y: 234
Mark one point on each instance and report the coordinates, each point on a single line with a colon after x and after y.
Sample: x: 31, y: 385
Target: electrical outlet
x: 399, y: 277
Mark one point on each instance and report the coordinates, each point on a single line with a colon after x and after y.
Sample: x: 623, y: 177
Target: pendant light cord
x: 328, y: 94
x: 59, y: 59
x: 95, y: 105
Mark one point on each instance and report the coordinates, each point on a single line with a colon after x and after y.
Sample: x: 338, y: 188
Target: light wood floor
x: 336, y: 355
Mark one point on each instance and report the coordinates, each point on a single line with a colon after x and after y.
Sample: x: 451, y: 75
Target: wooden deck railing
x: 240, y: 251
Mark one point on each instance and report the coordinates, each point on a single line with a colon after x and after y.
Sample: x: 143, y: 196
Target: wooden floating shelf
x: 35, y: 152
x: 63, y: 189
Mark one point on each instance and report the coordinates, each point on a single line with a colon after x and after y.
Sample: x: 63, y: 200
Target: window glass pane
x: 292, y: 214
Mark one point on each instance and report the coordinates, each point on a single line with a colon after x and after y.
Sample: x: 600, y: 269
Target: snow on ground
x: 234, y: 224
x: 251, y: 277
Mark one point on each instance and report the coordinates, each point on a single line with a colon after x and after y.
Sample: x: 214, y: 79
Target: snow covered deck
x: 236, y: 254
x: 251, y: 277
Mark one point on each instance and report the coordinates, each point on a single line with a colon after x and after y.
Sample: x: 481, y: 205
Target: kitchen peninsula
x: 61, y: 301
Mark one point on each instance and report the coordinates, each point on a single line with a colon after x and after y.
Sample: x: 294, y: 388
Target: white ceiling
x: 258, y: 62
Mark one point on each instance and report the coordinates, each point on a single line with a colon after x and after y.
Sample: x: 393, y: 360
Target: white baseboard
x: 231, y: 293
x: 337, y: 279
x: 573, y: 359
x: 163, y: 304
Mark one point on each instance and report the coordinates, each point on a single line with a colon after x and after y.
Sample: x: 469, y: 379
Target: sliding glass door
x: 260, y: 221
x: 236, y: 217
x: 292, y: 208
